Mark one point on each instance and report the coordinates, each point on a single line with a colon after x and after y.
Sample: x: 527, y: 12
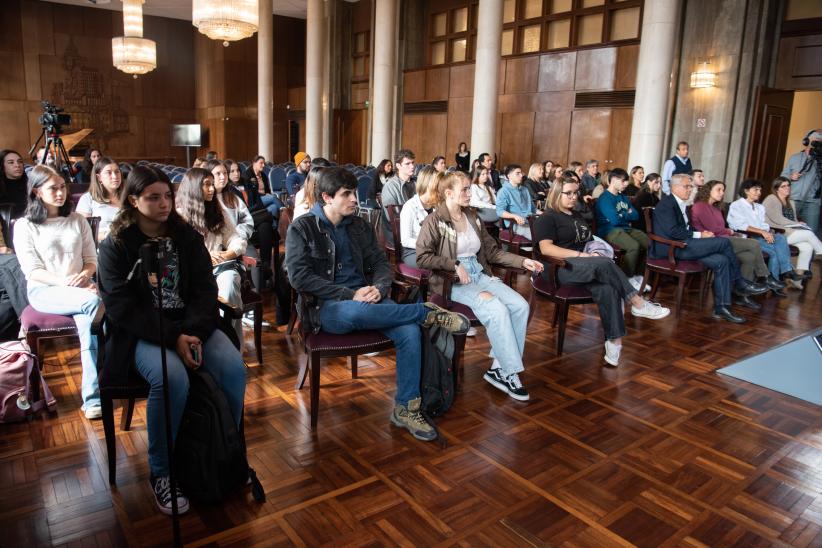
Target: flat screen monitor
x: 186, y: 135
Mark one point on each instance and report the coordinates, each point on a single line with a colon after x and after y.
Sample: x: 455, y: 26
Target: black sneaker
x: 510, y: 384
x: 162, y: 495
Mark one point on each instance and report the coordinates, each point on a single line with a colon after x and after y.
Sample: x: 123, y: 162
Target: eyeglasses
x: 570, y: 193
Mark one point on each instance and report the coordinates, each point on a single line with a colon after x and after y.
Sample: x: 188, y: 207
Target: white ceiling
x: 181, y: 9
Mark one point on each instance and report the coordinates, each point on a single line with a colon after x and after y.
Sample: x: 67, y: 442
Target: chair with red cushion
x: 514, y: 242
x: 671, y: 266
x: 413, y: 275
x: 549, y: 286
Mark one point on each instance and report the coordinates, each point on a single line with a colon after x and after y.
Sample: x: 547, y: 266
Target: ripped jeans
x: 504, y: 316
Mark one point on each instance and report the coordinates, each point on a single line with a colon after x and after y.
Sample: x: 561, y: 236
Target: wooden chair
x: 549, y: 286
x: 413, y: 275
x: 671, y: 266
x: 512, y: 241
x: 38, y: 326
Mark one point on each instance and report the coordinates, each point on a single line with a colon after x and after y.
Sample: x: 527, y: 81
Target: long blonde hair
x: 555, y: 194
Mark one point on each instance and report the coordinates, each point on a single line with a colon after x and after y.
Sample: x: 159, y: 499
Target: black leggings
x: 608, y: 286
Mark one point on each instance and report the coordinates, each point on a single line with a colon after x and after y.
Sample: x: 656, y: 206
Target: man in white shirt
x: 677, y: 164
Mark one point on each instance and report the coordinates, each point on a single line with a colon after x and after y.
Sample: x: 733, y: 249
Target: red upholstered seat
x: 32, y: 319
x: 350, y: 342
x: 413, y: 272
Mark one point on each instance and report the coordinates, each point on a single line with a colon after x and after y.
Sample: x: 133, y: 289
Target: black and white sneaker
x: 162, y: 495
x: 510, y: 384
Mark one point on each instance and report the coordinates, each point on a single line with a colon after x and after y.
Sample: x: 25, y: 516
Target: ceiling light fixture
x: 132, y: 53
x: 226, y: 20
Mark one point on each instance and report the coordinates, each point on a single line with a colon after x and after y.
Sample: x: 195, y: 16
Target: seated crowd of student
x: 335, y: 262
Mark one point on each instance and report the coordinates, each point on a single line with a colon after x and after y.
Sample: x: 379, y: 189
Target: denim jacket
x: 310, y: 257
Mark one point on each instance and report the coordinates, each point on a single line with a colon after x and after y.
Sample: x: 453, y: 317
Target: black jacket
x: 310, y: 258
x: 130, y: 314
x: 252, y: 189
x: 670, y: 224
x: 463, y: 162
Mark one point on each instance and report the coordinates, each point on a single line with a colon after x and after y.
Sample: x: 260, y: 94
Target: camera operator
x: 803, y: 170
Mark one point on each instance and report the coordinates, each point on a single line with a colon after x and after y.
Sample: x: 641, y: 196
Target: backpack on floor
x: 437, y: 376
x: 209, y: 452
x: 18, y: 367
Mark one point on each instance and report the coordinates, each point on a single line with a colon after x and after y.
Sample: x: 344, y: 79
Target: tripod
x: 51, y: 136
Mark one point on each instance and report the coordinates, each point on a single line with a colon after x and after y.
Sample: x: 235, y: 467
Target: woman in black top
x: 87, y: 164
x: 648, y: 196
x: 189, y: 296
x: 13, y: 182
x: 635, y: 181
x: 463, y: 158
x: 562, y: 233
x: 385, y: 170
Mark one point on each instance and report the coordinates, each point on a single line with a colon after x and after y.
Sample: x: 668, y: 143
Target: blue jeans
x: 809, y: 212
x: 717, y: 255
x: 220, y: 358
x: 273, y: 205
x: 505, y: 315
x: 779, y: 255
x: 80, y: 304
x: 398, y: 322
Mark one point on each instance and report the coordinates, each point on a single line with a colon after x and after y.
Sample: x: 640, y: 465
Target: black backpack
x: 209, y: 452
x: 437, y: 377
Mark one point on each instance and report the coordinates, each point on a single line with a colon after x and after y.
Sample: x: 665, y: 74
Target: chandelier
x: 132, y: 53
x: 226, y: 20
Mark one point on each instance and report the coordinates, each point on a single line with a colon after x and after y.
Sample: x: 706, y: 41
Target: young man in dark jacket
x: 334, y: 261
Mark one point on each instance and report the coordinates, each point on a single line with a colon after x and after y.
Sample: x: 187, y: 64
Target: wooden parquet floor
x: 659, y: 452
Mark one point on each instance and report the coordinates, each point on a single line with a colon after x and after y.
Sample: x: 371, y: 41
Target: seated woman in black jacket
x: 189, y: 299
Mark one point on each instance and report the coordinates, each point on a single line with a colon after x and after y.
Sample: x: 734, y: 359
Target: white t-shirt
x: 59, y: 245
x: 92, y: 208
x: 300, y: 204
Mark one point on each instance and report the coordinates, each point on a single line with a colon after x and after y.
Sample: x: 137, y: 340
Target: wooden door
x: 769, y: 134
x: 349, y: 136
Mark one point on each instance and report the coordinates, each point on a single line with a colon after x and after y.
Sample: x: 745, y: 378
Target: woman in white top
x: 746, y: 214
x: 482, y: 195
x: 57, y: 255
x: 780, y: 212
x: 305, y: 198
x: 415, y: 210
x: 197, y: 205
x: 103, y: 197
x: 453, y: 238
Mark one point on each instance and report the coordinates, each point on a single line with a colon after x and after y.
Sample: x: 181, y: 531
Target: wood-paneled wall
x: 536, y: 115
x: 63, y: 54
x: 226, y: 99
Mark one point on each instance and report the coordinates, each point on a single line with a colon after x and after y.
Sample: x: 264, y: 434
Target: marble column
x: 265, y: 81
x: 314, y: 70
x: 486, y: 78
x: 382, y: 101
x: 653, y: 82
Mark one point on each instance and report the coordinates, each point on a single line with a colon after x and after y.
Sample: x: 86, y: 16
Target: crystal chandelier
x: 132, y: 53
x: 226, y: 20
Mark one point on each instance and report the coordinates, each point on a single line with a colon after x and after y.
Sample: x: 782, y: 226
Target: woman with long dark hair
x: 385, y: 170
x: 483, y: 197
x: 635, y: 181
x: 13, y: 181
x: 648, y: 196
x: 463, y: 157
x: 103, y: 196
x: 57, y: 256
x: 87, y: 164
x: 189, y: 296
x: 197, y: 204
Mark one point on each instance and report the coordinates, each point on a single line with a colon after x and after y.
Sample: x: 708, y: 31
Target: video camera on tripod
x: 52, y: 121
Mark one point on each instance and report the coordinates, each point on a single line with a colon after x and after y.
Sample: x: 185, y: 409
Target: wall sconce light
x: 704, y: 77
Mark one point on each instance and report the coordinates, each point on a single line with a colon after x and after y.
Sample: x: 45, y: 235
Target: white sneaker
x: 248, y: 320
x: 652, y: 311
x: 472, y: 332
x: 93, y: 412
x: 635, y: 281
x: 612, y: 352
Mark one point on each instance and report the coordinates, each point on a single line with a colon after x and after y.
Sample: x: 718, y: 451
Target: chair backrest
x: 363, y: 184
x: 177, y: 178
x: 393, y: 213
x: 648, y: 212
x: 5, y: 222
x: 276, y: 179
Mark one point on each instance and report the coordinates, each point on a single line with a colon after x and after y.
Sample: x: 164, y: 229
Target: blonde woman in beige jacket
x: 781, y: 213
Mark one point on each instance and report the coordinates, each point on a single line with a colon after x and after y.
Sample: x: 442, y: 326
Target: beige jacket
x: 437, y: 246
x: 773, y: 213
